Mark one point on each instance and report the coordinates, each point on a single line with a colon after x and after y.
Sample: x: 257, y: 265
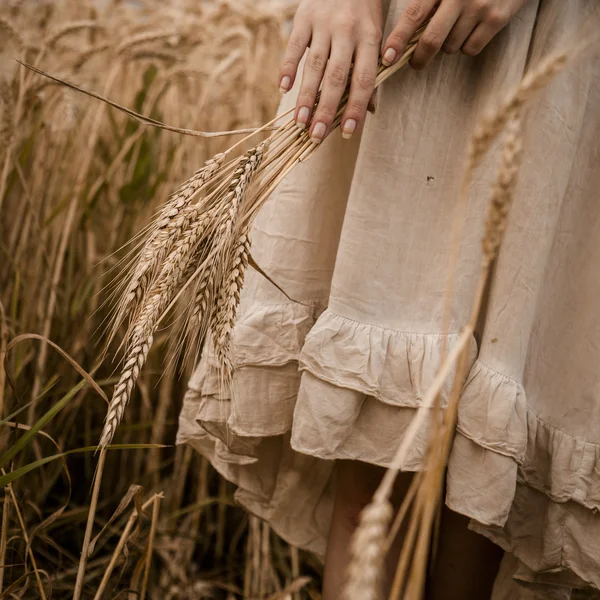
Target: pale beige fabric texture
x: 360, y: 236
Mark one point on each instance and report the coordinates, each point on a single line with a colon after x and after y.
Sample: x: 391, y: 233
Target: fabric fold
x: 365, y: 232
x: 267, y: 340
x: 361, y: 387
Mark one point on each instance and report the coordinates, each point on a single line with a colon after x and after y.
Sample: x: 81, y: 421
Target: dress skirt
x: 359, y: 237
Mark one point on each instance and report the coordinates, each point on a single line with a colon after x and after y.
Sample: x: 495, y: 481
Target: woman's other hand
x: 337, y: 34
x: 465, y: 26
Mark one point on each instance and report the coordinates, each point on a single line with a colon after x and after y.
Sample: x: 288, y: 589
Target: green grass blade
x: 18, y: 473
x: 41, y: 422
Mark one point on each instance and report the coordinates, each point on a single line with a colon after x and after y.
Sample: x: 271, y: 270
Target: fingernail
x: 348, y: 129
x: 284, y: 85
x: 302, y: 118
x: 388, y: 57
x: 318, y: 132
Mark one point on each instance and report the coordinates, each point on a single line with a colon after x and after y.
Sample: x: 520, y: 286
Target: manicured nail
x: 302, y: 118
x: 388, y: 57
x: 284, y: 84
x: 318, y: 132
x: 348, y: 129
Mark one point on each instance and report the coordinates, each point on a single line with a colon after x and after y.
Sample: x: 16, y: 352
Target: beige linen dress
x: 360, y: 236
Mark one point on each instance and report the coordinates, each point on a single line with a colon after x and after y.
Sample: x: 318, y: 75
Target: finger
x: 482, y: 35
x: 460, y: 32
x: 413, y: 16
x: 297, y: 44
x: 435, y: 33
x: 361, y: 87
x: 334, y: 85
x: 312, y: 75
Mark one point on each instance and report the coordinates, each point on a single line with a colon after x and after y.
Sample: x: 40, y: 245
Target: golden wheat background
x: 78, y: 180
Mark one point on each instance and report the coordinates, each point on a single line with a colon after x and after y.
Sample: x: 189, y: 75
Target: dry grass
x: 77, y: 180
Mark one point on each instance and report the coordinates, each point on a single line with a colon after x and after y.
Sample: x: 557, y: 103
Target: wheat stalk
x: 70, y: 202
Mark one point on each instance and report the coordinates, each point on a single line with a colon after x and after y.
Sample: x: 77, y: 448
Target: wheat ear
x: 223, y: 319
x: 188, y: 250
x: 7, y: 105
x: 219, y: 262
x: 502, y: 196
x: 139, y: 337
x: 491, y: 125
x: 365, y: 575
x: 233, y: 206
x: 164, y: 233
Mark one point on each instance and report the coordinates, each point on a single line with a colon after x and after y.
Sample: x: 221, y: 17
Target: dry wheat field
x: 78, y: 180
x: 84, y: 189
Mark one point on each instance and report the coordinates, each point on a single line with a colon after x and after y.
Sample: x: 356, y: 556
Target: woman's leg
x: 355, y: 483
x: 466, y: 563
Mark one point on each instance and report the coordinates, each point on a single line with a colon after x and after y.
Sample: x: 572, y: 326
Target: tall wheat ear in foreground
x: 419, y: 512
x: 199, y: 248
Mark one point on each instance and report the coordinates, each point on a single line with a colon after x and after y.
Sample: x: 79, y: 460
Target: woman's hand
x: 337, y: 33
x: 456, y: 25
x: 341, y: 32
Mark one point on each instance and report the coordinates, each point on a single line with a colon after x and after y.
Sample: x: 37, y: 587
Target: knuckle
x: 325, y: 114
x: 336, y: 76
x: 289, y: 64
x: 496, y: 18
x: 371, y: 36
x: 346, y: 23
x: 356, y: 110
x: 481, y: 6
x: 413, y: 13
x: 316, y: 61
x: 306, y: 97
x: 295, y: 46
x: 365, y: 81
x: 431, y: 42
x: 397, y: 39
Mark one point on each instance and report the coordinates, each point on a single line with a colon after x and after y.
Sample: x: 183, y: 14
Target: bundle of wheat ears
x: 200, y: 243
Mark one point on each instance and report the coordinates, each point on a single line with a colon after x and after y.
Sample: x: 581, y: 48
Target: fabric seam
x: 372, y: 325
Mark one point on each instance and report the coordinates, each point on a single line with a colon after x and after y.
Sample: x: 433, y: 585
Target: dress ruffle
x: 306, y: 394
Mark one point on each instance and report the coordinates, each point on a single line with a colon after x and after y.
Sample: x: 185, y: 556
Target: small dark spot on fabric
x: 494, y: 340
x: 430, y: 178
